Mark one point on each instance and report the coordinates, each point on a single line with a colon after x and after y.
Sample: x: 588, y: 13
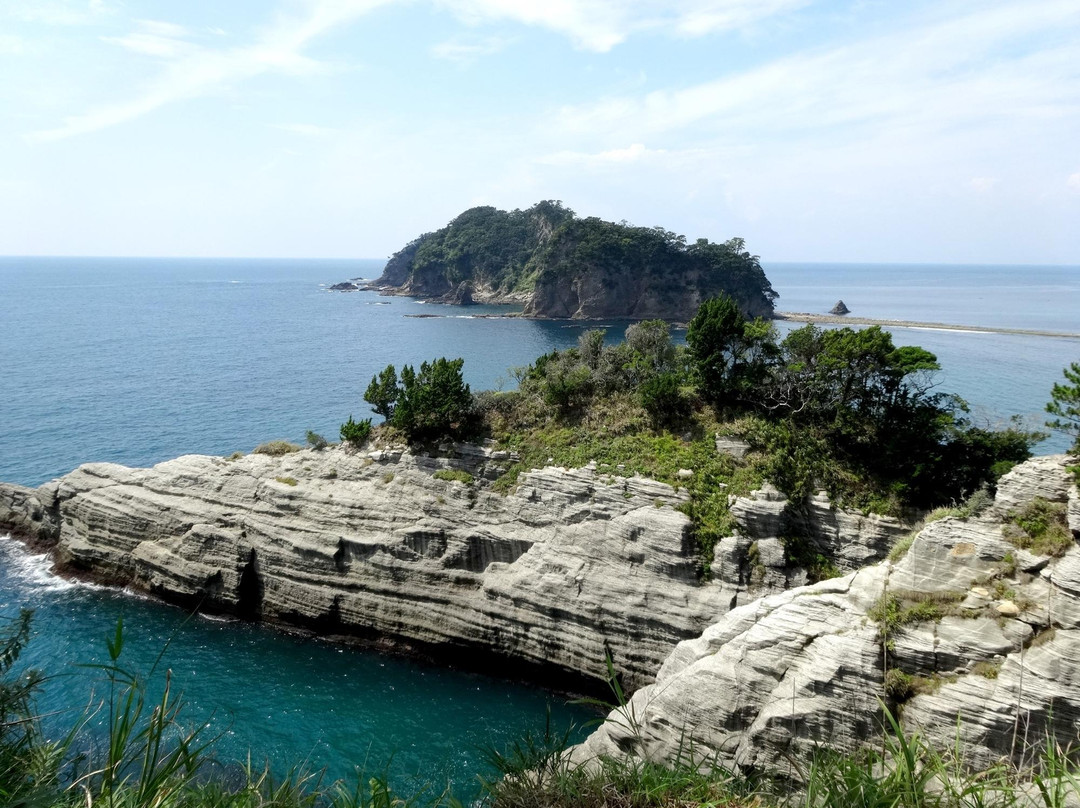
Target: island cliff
x: 562, y: 267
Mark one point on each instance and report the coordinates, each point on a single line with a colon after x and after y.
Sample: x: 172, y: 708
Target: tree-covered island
x: 561, y: 266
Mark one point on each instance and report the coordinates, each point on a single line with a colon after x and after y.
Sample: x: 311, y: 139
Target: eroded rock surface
x: 570, y: 566
x: 772, y: 680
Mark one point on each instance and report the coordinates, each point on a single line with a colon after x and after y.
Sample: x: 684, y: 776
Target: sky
x: 857, y: 130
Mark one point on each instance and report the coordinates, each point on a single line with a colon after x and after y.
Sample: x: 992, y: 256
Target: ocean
x: 136, y: 361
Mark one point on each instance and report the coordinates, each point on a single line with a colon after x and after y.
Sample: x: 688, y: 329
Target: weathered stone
x: 557, y: 574
x: 774, y: 679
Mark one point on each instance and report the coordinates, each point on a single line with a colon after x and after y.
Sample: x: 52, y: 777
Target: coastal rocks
x: 344, y: 286
x: 981, y: 642
x: 840, y: 308
x: 849, y: 539
x: 572, y: 566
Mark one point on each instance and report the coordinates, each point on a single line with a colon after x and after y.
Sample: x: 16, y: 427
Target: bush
x: 316, y: 441
x: 433, y: 402
x: 1041, y: 527
x: 662, y: 398
x: 356, y: 432
x: 276, y: 448
x: 454, y: 475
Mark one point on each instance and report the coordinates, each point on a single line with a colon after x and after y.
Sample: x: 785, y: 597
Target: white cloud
x: 633, y: 153
x: 933, y: 76
x: 198, y: 71
x: 600, y: 25
x: 164, y: 40
x: 57, y: 12
x: 12, y: 45
x: 466, y: 52
x: 306, y: 129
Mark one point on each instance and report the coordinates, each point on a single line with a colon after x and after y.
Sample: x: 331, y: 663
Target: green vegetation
x: 1041, y: 527
x: 1065, y: 405
x: 287, y: 480
x: 840, y: 410
x: 431, y: 404
x: 276, y: 448
x: 523, y: 250
x: 316, y: 441
x: 896, y: 609
x: 454, y: 476
x: 356, y: 433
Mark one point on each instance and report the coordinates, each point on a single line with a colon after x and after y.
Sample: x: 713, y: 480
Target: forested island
x: 560, y: 266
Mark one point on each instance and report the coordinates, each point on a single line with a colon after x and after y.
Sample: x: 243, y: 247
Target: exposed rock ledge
x: 371, y: 545
x: 772, y: 680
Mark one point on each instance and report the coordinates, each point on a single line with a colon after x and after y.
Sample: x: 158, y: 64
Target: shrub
x: 286, y: 480
x: 1041, y: 527
x: 316, y: 441
x: 898, y: 685
x: 433, y: 402
x: 454, y: 475
x: 276, y: 448
x: 356, y: 432
x: 662, y: 398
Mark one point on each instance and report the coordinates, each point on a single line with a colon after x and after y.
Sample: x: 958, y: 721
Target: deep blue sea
x: 139, y: 360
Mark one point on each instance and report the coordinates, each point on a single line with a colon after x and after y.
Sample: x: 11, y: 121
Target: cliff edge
x: 385, y: 547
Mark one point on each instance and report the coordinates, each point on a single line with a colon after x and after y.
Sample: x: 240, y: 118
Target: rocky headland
x: 381, y: 547
x: 972, y: 629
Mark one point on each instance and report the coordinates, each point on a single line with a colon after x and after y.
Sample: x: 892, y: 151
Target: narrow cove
x: 284, y: 699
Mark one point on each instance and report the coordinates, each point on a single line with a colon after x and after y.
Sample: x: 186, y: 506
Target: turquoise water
x: 136, y: 361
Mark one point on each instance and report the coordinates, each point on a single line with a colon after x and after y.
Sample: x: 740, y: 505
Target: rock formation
x: 572, y: 565
x: 995, y: 660
x: 840, y: 308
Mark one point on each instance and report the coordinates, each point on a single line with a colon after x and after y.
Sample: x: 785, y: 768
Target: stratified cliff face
x: 562, y: 267
x: 773, y: 680
x: 571, y: 566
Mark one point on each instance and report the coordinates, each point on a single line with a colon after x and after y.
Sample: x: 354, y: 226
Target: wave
x: 34, y: 570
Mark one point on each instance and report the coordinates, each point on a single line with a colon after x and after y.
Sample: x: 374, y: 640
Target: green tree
x: 1065, y: 405
x: 434, y: 402
x: 382, y: 393
x: 731, y: 354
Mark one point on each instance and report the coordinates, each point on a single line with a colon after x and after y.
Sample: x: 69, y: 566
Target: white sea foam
x: 33, y: 569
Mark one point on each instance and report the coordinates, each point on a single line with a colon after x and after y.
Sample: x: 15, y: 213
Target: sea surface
x: 136, y: 361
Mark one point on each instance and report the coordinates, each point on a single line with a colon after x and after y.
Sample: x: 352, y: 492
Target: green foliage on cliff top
x: 516, y: 250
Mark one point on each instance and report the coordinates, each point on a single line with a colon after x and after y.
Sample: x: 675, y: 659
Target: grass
x: 1041, y: 527
x: 454, y: 476
x: 972, y: 506
x: 895, y: 609
x: 276, y: 448
x: 388, y: 478
x: 287, y: 480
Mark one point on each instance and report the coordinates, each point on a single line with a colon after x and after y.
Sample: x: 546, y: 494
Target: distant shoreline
x: 847, y: 319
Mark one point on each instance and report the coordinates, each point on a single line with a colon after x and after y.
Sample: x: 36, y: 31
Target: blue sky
x: 944, y: 131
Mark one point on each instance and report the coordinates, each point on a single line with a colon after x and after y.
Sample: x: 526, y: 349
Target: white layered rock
x: 772, y: 680
x: 570, y: 567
